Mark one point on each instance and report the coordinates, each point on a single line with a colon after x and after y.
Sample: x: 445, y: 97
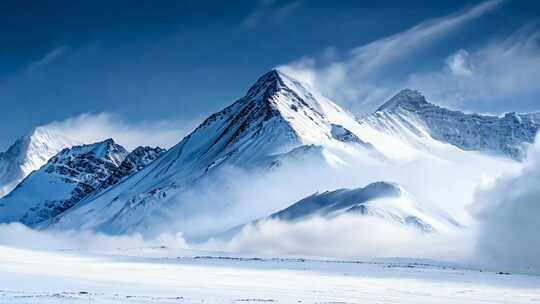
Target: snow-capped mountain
x: 57, y: 186
x: 29, y: 153
x: 279, y: 118
x: 410, y: 116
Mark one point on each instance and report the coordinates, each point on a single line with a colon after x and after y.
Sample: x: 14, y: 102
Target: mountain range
x: 280, y: 120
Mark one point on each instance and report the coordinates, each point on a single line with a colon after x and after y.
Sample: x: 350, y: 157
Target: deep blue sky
x: 181, y: 60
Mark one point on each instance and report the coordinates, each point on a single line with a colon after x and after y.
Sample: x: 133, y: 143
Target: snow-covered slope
x: 27, y: 154
x: 409, y: 116
x: 66, y: 178
x: 279, y: 118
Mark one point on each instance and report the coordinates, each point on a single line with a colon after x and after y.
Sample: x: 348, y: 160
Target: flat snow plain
x: 147, y: 276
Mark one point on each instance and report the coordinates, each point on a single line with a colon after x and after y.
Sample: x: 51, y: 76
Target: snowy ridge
x: 409, y: 113
x: 27, y: 154
x: 67, y: 177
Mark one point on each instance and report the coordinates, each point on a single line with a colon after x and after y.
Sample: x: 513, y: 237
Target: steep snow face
x: 27, y: 154
x: 410, y: 116
x: 279, y: 118
x: 380, y: 199
x: 57, y: 186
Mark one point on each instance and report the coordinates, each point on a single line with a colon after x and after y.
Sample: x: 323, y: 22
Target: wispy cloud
x: 386, y: 50
x: 358, y: 75
x: 268, y: 11
x: 499, y: 76
x: 47, y: 59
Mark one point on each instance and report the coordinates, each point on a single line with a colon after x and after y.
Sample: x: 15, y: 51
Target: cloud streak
x: 386, y: 50
x: 268, y: 11
x: 47, y: 59
x: 499, y: 76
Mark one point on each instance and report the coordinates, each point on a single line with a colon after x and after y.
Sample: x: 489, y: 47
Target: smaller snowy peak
x: 35, y: 149
x: 338, y: 201
x: 108, y: 151
x: 67, y: 177
x: 382, y: 200
x: 137, y: 160
x: 406, y: 98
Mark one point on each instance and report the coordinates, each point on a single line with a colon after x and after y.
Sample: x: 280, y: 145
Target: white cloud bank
x: 18, y: 235
x: 508, y: 212
x: 346, y: 236
x: 90, y: 128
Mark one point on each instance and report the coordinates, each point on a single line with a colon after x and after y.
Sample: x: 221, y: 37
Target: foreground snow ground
x: 148, y: 276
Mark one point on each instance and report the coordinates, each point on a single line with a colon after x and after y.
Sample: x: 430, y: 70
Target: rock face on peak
x: 57, y: 186
x: 137, y: 160
x: 27, y: 154
x: 409, y: 112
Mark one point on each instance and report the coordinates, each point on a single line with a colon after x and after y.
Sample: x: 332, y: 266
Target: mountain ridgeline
x: 280, y: 119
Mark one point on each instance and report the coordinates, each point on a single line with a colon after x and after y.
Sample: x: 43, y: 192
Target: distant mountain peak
x: 29, y: 153
x: 405, y: 98
x: 408, y: 112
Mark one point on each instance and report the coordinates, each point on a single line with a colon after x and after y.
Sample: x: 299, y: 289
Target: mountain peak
x: 267, y: 84
x: 107, y: 149
x: 405, y: 98
x: 29, y: 153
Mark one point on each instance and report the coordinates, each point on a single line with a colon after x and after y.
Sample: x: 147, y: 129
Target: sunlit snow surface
x: 151, y: 276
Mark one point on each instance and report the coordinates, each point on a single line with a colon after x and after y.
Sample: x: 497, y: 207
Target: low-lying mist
x: 495, y: 201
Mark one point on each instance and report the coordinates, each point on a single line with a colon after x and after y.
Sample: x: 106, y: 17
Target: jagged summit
x: 408, y: 114
x: 407, y: 98
x: 107, y: 149
x: 267, y: 84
